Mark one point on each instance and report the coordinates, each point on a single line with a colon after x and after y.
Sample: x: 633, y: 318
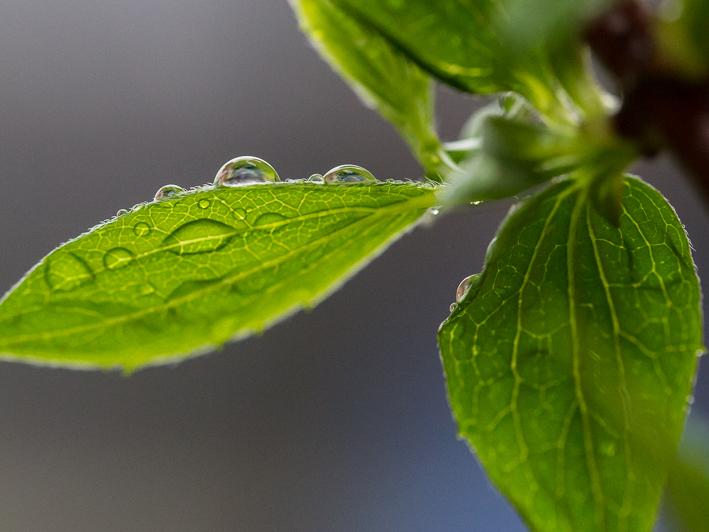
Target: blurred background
x: 334, y: 420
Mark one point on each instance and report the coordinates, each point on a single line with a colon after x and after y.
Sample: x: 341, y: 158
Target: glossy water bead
x: 349, y: 173
x: 245, y: 171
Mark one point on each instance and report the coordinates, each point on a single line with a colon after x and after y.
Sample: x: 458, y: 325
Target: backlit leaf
x: 180, y: 276
x: 382, y: 75
x: 570, y: 360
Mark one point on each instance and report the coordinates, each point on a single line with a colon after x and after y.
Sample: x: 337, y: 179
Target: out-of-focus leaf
x: 684, y: 39
x: 687, y: 490
x: 384, y: 77
x: 180, y: 276
x: 467, y: 44
x: 570, y: 360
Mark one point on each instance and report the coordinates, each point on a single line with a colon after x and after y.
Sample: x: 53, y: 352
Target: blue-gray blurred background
x: 335, y: 420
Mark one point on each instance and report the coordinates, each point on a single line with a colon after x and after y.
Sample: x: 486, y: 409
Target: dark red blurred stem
x: 661, y: 108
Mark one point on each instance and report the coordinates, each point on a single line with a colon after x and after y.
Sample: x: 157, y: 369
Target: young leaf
x: 382, y: 75
x: 183, y: 275
x: 464, y: 44
x: 570, y: 360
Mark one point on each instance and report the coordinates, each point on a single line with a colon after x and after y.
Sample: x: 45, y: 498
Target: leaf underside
x: 182, y: 276
x: 570, y: 361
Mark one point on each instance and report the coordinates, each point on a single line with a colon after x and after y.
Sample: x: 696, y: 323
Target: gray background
x: 334, y: 420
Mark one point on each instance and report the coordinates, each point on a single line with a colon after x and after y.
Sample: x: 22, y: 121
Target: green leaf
x: 687, y: 490
x: 683, y: 36
x: 382, y: 75
x: 510, y: 151
x: 181, y: 276
x: 570, y: 360
x: 465, y: 44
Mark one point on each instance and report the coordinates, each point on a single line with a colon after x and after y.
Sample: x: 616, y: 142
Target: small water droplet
x: 203, y: 204
x: 239, y: 214
x: 434, y: 211
x: 349, y: 173
x: 269, y: 218
x: 464, y: 286
x: 453, y: 306
x: 199, y: 236
x: 316, y: 178
x: 117, y: 258
x: 475, y: 202
x: 66, y: 271
x: 141, y: 229
x: 245, y: 171
x: 121, y: 212
x: 168, y: 191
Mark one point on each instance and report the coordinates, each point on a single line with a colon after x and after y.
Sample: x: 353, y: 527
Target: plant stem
x: 662, y: 108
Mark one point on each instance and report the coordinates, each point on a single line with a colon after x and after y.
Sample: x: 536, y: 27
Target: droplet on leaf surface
x: 117, y: 258
x: 349, y: 173
x: 168, y: 191
x: 269, y: 218
x: 199, y: 236
x: 203, y: 204
x: 245, y: 171
x: 141, y: 229
x: 67, y: 271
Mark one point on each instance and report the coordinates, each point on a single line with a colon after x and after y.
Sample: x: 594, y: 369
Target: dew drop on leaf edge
x: 349, y: 173
x: 245, y: 171
x: 168, y: 191
x: 464, y: 286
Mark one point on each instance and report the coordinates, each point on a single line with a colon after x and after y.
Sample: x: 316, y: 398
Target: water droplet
x: 434, y: 211
x: 239, y: 214
x: 168, y: 191
x: 269, y: 218
x: 121, y: 212
x: 245, y: 171
x: 66, y: 271
x: 453, y: 306
x: 117, y: 258
x: 475, y: 202
x: 349, y: 173
x: 199, y: 236
x: 203, y: 204
x: 464, y: 286
x: 316, y: 178
x: 141, y: 229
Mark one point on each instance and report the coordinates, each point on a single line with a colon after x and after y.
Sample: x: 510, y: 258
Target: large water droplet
x: 168, y: 191
x: 245, y: 171
x: 349, y: 173
x: 199, y: 236
x: 141, y: 229
x: 464, y: 286
x: 117, y: 258
x: 66, y: 271
x: 269, y: 218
